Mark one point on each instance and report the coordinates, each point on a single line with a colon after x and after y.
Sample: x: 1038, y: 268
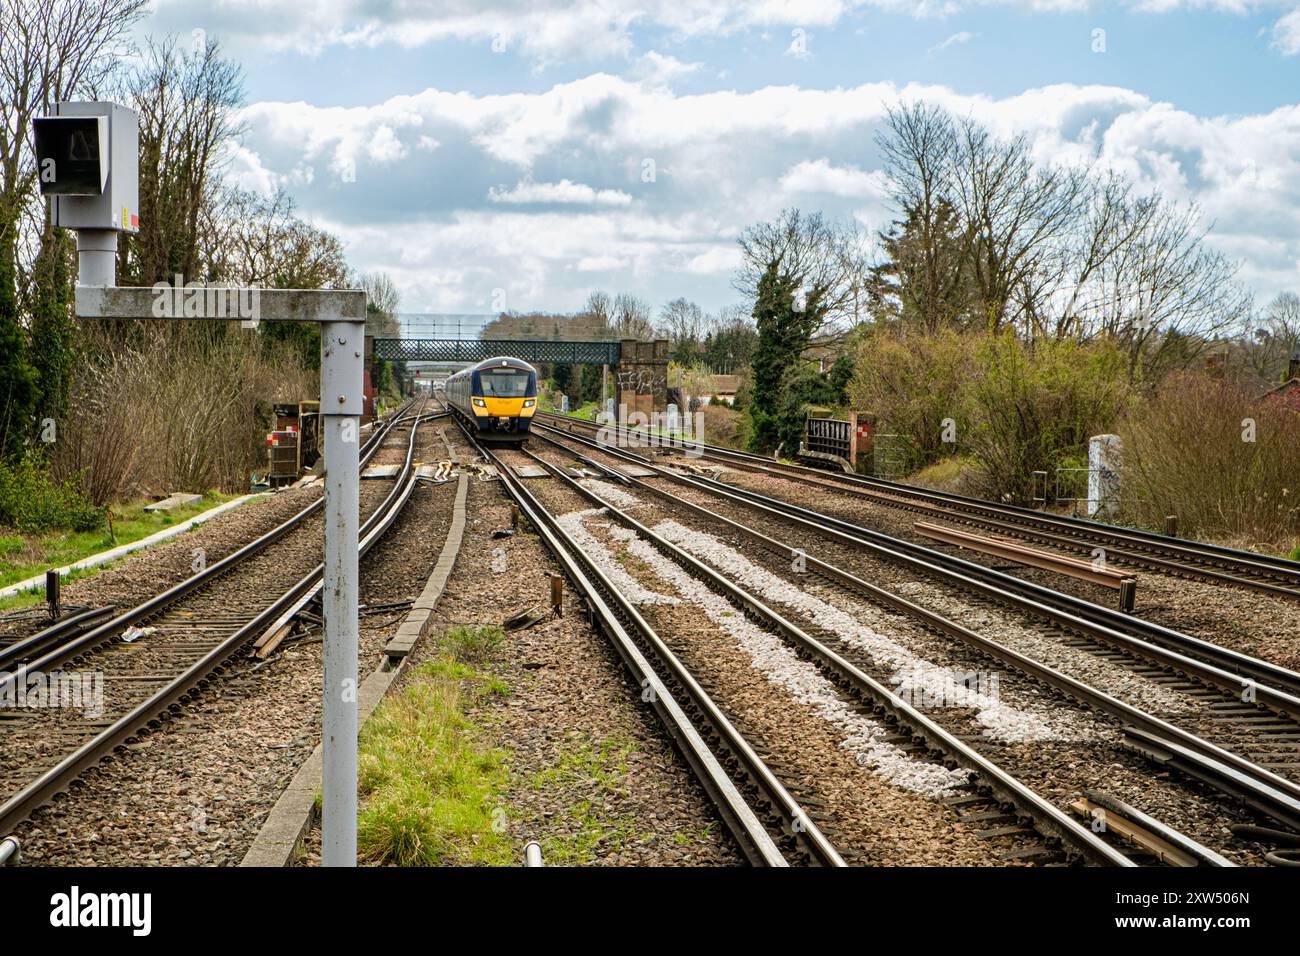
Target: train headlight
x: 480, y: 403
x: 529, y: 402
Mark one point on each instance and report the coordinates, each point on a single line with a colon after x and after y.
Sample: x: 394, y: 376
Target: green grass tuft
x: 473, y: 645
x: 430, y: 788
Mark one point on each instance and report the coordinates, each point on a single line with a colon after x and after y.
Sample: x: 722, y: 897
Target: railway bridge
x: 640, y: 368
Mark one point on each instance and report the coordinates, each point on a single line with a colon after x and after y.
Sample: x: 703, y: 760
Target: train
x: 496, y: 399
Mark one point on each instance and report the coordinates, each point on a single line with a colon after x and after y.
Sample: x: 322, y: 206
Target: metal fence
x: 894, y: 456
x: 828, y: 436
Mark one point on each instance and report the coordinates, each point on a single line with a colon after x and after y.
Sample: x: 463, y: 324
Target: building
x: 1288, y: 393
x: 724, y: 389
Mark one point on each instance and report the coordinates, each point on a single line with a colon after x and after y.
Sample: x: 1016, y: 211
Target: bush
x: 1031, y: 409
x: 174, y: 408
x: 802, y: 386
x: 724, y: 425
x: 31, y: 501
x: 1186, y: 454
x: 911, y: 383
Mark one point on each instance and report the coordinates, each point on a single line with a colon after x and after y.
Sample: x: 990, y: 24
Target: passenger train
x: 496, y: 399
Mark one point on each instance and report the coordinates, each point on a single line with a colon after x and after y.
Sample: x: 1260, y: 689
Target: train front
x: 503, y: 399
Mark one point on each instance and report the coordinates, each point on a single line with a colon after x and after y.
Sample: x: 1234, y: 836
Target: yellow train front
x: 496, y: 399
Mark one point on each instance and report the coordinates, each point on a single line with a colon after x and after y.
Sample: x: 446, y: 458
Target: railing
x: 828, y: 436
x: 477, y: 350
x: 838, y: 440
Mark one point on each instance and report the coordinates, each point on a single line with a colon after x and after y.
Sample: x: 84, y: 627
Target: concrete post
x: 1104, y: 455
x: 342, y: 365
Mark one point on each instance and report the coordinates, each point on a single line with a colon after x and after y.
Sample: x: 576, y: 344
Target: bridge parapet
x: 477, y: 350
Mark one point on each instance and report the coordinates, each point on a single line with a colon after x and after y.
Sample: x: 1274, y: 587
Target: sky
x: 518, y: 154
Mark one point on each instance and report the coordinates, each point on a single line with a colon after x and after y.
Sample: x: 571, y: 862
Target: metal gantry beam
x: 477, y: 350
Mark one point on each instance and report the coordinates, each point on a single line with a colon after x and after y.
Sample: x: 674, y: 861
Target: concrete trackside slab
x: 295, y: 811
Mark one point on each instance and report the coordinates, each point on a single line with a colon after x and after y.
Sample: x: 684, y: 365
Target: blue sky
x: 494, y: 152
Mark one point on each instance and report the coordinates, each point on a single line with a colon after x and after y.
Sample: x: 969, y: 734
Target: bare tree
x: 925, y: 271
x: 49, y: 49
x: 630, y: 317
x: 600, y: 307
x: 381, y: 291
x: 382, y: 300
x: 681, y: 321
x: 186, y: 101
x: 993, y: 239
x: 1018, y: 216
x: 1163, y: 292
x: 1264, y: 353
x: 816, y: 258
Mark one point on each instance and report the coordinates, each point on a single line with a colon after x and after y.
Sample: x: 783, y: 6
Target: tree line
x: 199, y: 391
x: 1014, y: 307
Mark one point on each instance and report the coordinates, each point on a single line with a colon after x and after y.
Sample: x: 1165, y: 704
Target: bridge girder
x: 477, y: 350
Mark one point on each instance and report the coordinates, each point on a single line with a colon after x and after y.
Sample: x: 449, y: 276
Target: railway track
x: 769, y: 825
x: 149, y: 658
x: 1254, y: 754
x: 996, y: 803
x: 1179, y: 557
x: 1230, y: 670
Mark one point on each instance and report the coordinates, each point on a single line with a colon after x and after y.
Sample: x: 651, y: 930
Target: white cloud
x: 956, y: 39
x: 548, y: 31
x: 1286, y: 34
x: 819, y: 176
x: 450, y: 228
x: 563, y: 192
x: 660, y: 69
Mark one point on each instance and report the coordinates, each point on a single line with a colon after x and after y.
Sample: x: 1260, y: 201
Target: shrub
x: 724, y: 425
x: 1186, y: 453
x: 174, y: 408
x: 31, y: 501
x: 802, y: 386
x: 911, y: 383
x: 1031, y: 409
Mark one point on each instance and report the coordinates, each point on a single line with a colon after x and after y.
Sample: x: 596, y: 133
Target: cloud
x: 1286, y: 34
x: 658, y: 69
x: 546, y: 194
x: 563, y: 192
x: 955, y: 40
x: 819, y: 176
x: 553, y: 31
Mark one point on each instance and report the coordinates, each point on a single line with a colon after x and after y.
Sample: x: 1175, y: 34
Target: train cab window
x: 504, y: 383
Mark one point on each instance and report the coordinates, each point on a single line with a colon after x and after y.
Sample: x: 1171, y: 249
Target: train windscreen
x: 504, y: 383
